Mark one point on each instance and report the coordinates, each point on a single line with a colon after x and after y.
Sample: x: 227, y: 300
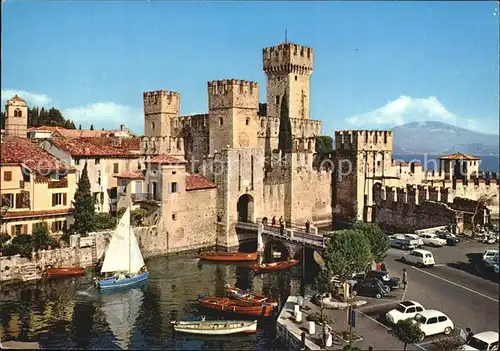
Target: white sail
x: 121, y: 310
x: 136, y: 260
x: 117, y: 258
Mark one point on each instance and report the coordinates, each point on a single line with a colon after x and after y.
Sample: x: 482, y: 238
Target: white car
x: 433, y: 322
x: 433, y: 240
x: 487, y: 341
x: 415, y: 237
x: 490, y: 254
x: 404, y: 310
x: 420, y: 258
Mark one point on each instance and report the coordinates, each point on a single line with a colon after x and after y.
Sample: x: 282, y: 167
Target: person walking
x: 307, y: 226
x: 405, y: 278
x: 273, y: 222
x: 470, y: 334
x: 383, y: 268
x: 282, y: 225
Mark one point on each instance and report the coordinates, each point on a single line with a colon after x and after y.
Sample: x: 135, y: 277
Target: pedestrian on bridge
x: 274, y: 221
x: 282, y: 225
x: 308, y: 224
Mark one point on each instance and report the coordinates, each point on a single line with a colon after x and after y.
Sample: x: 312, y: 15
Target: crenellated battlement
x: 233, y: 93
x: 194, y: 122
x: 162, y: 101
x: 300, y: 127
x: 288, y: 58
x: 364, y: 140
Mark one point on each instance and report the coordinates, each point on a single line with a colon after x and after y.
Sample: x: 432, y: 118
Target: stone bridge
x: 290, y: 243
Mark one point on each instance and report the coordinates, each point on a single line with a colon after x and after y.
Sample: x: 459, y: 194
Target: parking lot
x: 458, y: 285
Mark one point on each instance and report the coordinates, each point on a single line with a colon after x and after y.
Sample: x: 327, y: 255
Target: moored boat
x: 225, y: 304
x: 64, y: 272
x: 275, y: 266
x: 247, y: 297
x: 19, y: 345
x: 228, y: 256
x: 215, y: 327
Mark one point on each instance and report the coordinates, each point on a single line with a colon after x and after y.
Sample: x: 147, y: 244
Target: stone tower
x: 16, y: 118
x: 159, y: 108
x: 363, y: 157
x: 233, y: 120
x: 288, y: 68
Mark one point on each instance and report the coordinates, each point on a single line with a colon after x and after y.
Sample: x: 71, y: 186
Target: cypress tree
x: 285, y: 133
x: 91, y: 127
x: 84, y: 210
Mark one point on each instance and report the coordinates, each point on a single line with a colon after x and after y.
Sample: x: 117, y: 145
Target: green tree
x: 84, y: 210
x: 379, y: 241
x: 285, y: 133
x: 79, y: 127
x: 324, y: 144
x: 324, y: 285
x: 347, y: 252
x: 450, y: 344
x: 408, y: 332
x: 91, y: 127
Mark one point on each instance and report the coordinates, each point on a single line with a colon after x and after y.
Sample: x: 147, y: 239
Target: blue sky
x: 377, y: 64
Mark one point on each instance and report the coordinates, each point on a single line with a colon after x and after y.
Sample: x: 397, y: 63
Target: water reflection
x: 71, y: 313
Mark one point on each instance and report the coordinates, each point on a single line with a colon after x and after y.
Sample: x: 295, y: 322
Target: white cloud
x: 33, y: 98
x: 403, y: 110
x: 106, y: 115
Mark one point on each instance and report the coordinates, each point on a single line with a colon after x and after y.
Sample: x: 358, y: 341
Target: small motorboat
x: 215, y: 327
x: 19, y: 345
x: 275, y: 266
x: 228, y: 256
x: 247, y: 297
x: 225, y: 304
x: 52, y: 272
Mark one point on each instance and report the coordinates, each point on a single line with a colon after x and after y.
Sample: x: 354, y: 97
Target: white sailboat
x: 123, y: 258
x: 121, y: 310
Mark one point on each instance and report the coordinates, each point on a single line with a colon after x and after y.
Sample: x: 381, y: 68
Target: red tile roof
x: 88, y: 147
x: 19, y: 214
x: 166, y: 160
x: 198, y: 182
x: 124, y: 144
x: 460, y: 156
x: 23, y: 151
x: 130, y: 175
x: 17, y: 98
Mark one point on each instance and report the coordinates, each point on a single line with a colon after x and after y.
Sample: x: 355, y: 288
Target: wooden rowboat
x: 64, y: 272
x: 248, y: 298
x: 275, y: 266
x: 228, y: 256
x: 216, y: 327
x: 19, y: 345
x: 224, y: 304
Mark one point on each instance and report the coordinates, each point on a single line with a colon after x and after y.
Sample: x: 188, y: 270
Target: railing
x: 145, y: 197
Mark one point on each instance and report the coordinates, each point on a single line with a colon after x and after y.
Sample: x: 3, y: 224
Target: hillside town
x: 263, y: 185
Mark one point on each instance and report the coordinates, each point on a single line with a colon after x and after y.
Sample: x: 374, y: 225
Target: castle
x: 209, y: 172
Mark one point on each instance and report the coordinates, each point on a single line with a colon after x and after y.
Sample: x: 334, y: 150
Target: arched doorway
x: 245, y: 208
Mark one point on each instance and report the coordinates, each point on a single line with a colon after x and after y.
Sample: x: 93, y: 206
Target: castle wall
x: 196, y: 137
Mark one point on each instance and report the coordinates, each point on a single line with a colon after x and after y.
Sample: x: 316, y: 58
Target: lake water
x: 488, y: 163
x: 70, y: 313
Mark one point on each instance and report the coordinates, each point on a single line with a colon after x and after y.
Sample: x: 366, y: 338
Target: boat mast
x: 129, y: 240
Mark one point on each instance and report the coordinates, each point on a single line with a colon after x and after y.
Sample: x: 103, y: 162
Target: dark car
x: 451, y: 240
x: 370, y: 287
x: 390, y: 282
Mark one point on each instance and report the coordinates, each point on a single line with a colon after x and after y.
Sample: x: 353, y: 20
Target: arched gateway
x: 245, y: 208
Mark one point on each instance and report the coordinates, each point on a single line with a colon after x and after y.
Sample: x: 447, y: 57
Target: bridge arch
x: 245, y: 207
x: 276, y: 246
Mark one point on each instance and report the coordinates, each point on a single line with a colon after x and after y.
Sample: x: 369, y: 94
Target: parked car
x: 420, y: 258
x: 487, y: 341
x: 490, y: 254
x: 451, y: 239
x: 390, y: 282
x: 399, y: 241
x: 433, y: 322
x: 433, y: 240
x: 404, y: 310
x: 415, y: 237
x: 371, y: 287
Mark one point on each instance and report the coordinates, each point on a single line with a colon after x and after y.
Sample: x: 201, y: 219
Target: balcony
x: 145, y: 197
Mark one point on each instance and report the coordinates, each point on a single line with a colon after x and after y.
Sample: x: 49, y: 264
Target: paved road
x: 453, y: 286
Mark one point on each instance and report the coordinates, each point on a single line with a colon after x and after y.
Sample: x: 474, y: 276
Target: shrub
x: 105, y: 221
x: 316, y: 318
x: 4, y: 238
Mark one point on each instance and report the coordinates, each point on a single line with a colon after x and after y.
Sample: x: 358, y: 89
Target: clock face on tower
x: 243, y: 140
